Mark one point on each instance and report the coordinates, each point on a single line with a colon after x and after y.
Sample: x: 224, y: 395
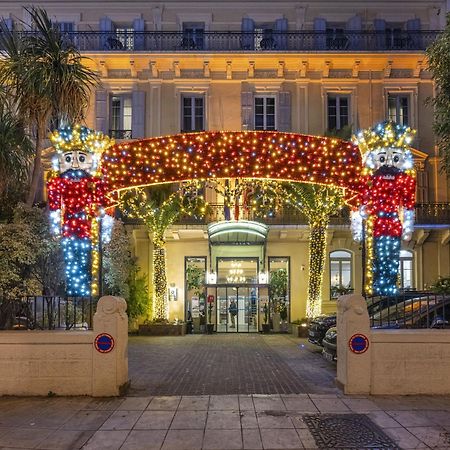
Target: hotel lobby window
x: 279, y: 288
x: 340, y: 273
x: 195, y: 291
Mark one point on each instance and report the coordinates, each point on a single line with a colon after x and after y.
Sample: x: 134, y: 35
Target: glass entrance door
x: 237, y: 309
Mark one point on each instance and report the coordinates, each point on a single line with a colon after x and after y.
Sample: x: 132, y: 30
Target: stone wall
x: 397, y: 362
x: 66, y: 362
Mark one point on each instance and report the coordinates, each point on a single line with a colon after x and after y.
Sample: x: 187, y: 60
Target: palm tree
x: 159, y: 208
x: 16, y: 152
x: 47, y: 80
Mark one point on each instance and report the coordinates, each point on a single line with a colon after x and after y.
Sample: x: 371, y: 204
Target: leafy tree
x: 46, y: 78
x: 159, y: 208
x: 439, y: 64
x: 31, y: 261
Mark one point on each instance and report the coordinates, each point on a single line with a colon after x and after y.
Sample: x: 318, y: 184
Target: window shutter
x: 281, y: 27
x: 247, y: 108
x: 106, y: 28
x: 414, y: 37
x: 354, y: 25
x: 139, y: 28
x: 380, y: 38
x: 284, y: 111
x: 101, y: 123
x: 413, y: 25
x: 320, y: 28
x: 8, y: 23
x: 138, y: 114
x: 247, y: 28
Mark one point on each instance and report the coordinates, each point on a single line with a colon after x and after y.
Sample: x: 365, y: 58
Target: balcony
x: 235, y: 41
x: 121, y: 134
x: 428, y: 214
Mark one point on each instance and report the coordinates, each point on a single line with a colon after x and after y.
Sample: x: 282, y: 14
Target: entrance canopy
x: 232, y: 154
x: 237, y: 232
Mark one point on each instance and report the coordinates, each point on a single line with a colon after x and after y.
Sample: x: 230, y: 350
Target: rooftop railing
x: 236, y: 41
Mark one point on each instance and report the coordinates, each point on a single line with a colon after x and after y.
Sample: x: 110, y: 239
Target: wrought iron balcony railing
x: 121, y: 134
x: 235, y: 41
x: 426, y: 214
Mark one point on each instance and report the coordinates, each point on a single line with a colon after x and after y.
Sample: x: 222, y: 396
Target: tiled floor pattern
x: 222, y: 364
x: 211, y: 422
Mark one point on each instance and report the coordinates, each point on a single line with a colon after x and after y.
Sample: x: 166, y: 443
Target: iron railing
x: 426, y: 214
x: 410, y: 310
x: 47, y: 313
x: 237, y: 41
x: 121, y: 134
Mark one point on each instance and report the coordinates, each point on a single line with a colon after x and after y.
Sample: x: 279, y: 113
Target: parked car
x: 319, y: 326
x: 329, y: 351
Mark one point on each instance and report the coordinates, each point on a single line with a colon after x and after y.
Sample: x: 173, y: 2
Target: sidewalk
x: 219, y: 422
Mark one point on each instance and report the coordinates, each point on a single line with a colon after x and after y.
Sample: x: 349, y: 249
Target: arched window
x: 341, y: 274
x: 406, y: 269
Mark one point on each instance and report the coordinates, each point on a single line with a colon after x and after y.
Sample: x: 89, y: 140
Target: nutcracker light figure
x: 76, y: 199
x: 385, y: 202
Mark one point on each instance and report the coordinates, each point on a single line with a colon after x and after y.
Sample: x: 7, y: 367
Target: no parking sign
x: 104, y: 343
x: 358, y: 343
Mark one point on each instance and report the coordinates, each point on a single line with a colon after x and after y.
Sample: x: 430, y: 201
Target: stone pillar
x: 353, y: 370
x: 110, y: 370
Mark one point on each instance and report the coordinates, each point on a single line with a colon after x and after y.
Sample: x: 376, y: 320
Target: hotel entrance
x: 237, y: 309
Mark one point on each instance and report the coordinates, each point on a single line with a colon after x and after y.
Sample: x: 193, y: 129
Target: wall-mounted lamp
x: 211, y: 278
x: 173, y: 292
x: 263, y: 277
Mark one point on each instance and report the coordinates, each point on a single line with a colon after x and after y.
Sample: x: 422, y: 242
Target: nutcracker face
x: 76, y: 160
x: 389, y: 157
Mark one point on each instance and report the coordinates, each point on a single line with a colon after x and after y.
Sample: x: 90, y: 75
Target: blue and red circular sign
x: 104, y: 343
x: 358, y: 343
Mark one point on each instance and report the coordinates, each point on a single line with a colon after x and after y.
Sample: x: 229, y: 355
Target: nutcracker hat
x: 80, y: 138
x: 384, y: 135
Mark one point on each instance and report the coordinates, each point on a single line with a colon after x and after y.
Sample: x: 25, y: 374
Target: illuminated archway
x: 232, y: 154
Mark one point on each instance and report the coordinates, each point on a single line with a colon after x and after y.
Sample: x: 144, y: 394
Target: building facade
x: 307, y: 67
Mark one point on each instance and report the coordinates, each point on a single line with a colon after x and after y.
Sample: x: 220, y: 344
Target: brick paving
x: 211, y: 422
x: 223, y: 364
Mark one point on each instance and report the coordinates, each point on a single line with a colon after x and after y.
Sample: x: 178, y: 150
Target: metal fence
x: 237, y: 41
x: 47, y: 313
x: 410, y: 309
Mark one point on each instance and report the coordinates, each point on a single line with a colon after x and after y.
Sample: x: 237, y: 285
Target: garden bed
x: 162, y: 329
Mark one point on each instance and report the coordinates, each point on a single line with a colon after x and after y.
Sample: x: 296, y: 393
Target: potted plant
x: 266, y: 325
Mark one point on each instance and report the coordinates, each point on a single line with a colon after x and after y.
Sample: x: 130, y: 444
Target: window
x: 340, y: 273
x: 264, y: 39
x: 395, y: 38
x: 398, y: 108
x: 237, y: 270
x: 66, y: 27
x: 279, y: 286
x: 120, y: 119
x: 336, y: 38
x: 193, y: 36
x: 265, y: 117
x: 338, y: 111
x: 194, y: 288
x: 193, y: 108
x: 406, y: 269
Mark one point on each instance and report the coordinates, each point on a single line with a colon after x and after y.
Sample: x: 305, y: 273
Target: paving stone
x: 87, y: 420
x: 24, y: 438
x: 121, y: 420
x: 155, y: 420
x: 248, y: 419
x: 183, y: 440
x: 244, y: 364
x: 441, y: 418
x: 382, y: 419
x: 189, y: 420
x: 144, y: 440
x: 107, y: 404
x: 330, y: 405
x: 106, y: 440
x: 251, y: 439
x: 134, y: 404
x: 65, y: 440
x: 361, y: 405
x: 198, y: 403
x: 410, y: 418
x: 306, y: 438
x: 223, y: 420
x: 224, y: 402
x: 431, y: 436
x: 403, y: 438
x: 268, y: 402
x: 164, y: 403
x: 246, y: 403
x: 280, y: 439
x: 222, y: 439
x: 299, y: 404
x: 273, y: 419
